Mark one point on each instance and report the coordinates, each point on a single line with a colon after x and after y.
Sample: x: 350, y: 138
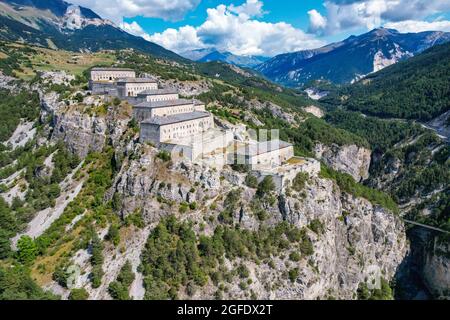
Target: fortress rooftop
x: 157, y: 92
x: 136, y: 80
x: 163, y: 104
x: 182, y: 117
x: 111, y: 69
x: 256, y: 149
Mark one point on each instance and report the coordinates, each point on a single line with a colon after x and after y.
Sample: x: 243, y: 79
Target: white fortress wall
x: 162, y: 97
x: 132, y: 89
x: 111, y: 74
x: 171, y: 110
x: 183, y: 129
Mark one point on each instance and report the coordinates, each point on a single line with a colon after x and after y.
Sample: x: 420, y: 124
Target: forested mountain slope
x: 418, y: 88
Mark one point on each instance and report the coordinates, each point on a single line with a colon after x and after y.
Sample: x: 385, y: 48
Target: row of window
x: 165, y: 98
x: 111, y: 77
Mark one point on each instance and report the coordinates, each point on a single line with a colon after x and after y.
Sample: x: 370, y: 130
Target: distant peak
x: 383, y: 31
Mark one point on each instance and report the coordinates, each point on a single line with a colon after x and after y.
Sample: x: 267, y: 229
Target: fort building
x: 184, y: 128
x: 168, y: 128
x: 131, y: 87
x: 158, y: 95
x: 264, y: 155
x: 111, y: 74
x: 147, y: 110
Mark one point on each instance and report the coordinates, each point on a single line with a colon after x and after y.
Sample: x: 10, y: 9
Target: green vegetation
x: 27, y: 250
x: 119, y: 289
x: 13, y: 107
x: 16, y: 284
x: 347, y: 184
x: 164, y: 156
x: 15, y: 59
x: 113, y: 234
x: 231, y: 204
x: 299, y: 182
x: 96, y: 260
x: 383, y: 293
x: 317, y: 226
x: 265, y: 187
x: 251, y: 181
x: 175, y: 258
x: 414, y: 89
x: 309, y: 133
x: 381, y: 134
x: 78, y: 294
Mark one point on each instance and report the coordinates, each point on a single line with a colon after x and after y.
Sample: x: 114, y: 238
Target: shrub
x: 119, y: 289
x: 78, y: 294
x: 96, y: 276
x: 243, y: 271
x: 251, y: 181
x: 299, y: 182
x: 193, y: 206
x: 266, y: 186
x: 317, y: 226
x: 293, y: 274
x: 294, y: 256
x: 113, y: 234
x: 164, y: 156
x: 27, y: 250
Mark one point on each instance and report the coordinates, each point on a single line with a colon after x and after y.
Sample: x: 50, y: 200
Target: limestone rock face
x: 349, y: 159
x: 436, y: 270
x: 80, y: 132
x: 357, y: 237
x: 149, y: 183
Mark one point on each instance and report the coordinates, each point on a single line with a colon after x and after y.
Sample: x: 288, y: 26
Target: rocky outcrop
x: 350, y: 159
x: 148, y: 183
x: 436, y: 270
x: 80, y: 132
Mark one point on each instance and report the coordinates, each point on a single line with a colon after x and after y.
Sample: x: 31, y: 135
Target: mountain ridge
x: 351, y: 59
x: 213, y: 55
x: 59, y: 24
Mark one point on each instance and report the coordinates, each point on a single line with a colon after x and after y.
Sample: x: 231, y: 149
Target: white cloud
x: 419, y: 26
x: 180, y: 40
x: 234, y: 29
x: 347, y: 14
x: 116, y: 10
x: 252, y: 8
x: 317, y: 21
x: 133, y: 28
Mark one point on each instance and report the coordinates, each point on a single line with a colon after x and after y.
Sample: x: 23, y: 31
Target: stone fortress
x: 184, y: 128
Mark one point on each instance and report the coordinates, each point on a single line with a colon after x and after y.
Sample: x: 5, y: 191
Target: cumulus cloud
x: 317, y: 21
x: 252, y: 8
x: 235, y: 29
x: 419, y: 26
x: 116, y: 10
x: 347, y: 14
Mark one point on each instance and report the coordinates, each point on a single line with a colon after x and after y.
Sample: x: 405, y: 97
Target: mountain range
x: 349, y: 60
x: 212, y: 54
x: 58, y: 24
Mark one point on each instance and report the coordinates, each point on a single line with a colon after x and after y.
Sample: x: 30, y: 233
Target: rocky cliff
x: 355, y: 239
x: 349, y: 159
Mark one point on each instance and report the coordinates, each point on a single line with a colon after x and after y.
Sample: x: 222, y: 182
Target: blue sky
x: 266, y: 27
x: 293, y: 12
x: 290, y: 11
